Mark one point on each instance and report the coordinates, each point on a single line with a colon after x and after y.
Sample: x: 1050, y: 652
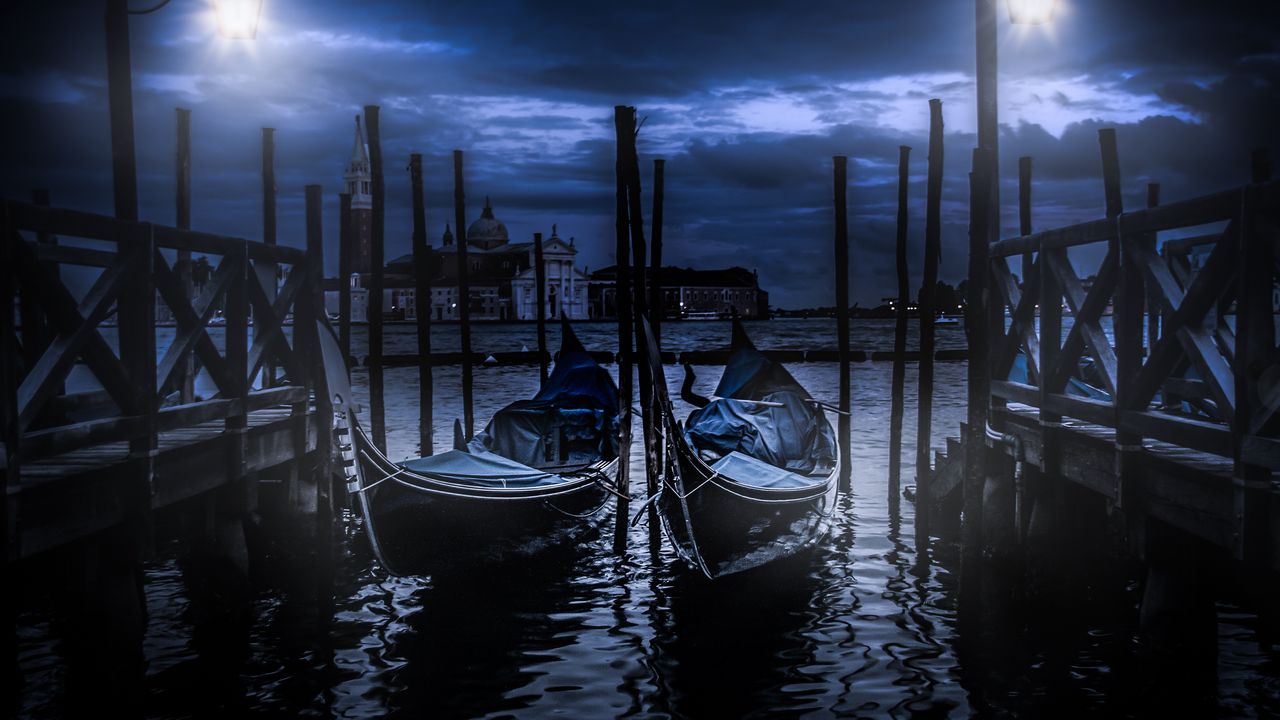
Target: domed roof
x: 487, y: 232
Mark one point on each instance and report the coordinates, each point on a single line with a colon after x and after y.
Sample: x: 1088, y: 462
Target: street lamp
x: 1030, y: 12
x: 236, y: 19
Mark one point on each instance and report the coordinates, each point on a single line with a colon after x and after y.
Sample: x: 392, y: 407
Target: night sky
x: 747, y: 101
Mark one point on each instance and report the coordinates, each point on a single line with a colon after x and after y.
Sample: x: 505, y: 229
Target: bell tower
x: 359, y: 182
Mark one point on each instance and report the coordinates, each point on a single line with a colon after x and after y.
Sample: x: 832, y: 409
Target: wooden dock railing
x: 1203, y: 375
x: 48, y: 327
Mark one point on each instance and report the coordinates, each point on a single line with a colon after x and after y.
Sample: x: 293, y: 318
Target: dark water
x: 867, y: 626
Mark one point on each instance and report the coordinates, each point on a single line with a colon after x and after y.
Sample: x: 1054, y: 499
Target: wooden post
x: 1050, y: 349
x: 540, y: 277
x: 9, y: 379
x: 928, y: 285
x: 267, y: 271
x: 1255, y: 348
x: 1021, y: 503
x: 655, y: 251
x: 422, y: 305
x: 976, y: 318
x: 308, y: 308
x: 269, y: 188
x: 1153, y: 303
x: 377, y: 412
x: 639, y: 310
x: 136, y: 310
x: 624, y: 123
x: 1127, y: 321
x: 988, y: 108
x: 124, y: 171
x: 464, y: 290
x: 183, y: 222
x: 1024, y: 217
x: 899, y: 331
x: 656, y: 451
x: 344, y: 275
x: 841, y: 199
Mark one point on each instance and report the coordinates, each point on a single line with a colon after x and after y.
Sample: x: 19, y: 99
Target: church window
x: 364, y: 187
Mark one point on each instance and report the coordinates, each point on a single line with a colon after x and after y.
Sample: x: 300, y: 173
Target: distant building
x: 501, y: 280
x: 687, y: 292
x: 359, y: 183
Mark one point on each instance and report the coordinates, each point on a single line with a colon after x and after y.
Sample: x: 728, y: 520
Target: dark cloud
x: 747, y: 101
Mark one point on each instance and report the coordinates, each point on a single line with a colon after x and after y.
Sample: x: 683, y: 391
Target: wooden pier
x: 1167, y: 431
x: 92, y: 472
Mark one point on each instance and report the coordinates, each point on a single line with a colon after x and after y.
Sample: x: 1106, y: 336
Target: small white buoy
x: 490, y: 360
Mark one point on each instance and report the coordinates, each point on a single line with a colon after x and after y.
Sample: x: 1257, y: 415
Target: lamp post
x: 237, y: 19
x: 1021, y: 12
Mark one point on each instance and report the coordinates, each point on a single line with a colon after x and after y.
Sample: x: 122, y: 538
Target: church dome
x: 487, y: 232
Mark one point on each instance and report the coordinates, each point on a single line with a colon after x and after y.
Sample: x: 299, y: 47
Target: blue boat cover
x: 479, y: 468
x: 571, y: 422
x: 795, y: 436
x: 750, y: 471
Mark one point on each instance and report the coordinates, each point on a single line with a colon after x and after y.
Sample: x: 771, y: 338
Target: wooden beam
x: 77, y: 327
x: 192, y: 318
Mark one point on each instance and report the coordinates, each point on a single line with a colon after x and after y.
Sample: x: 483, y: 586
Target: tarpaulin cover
x: 572, y: 421
x: 750, y: 471
x: 794, y: 437
x: 479, y: 468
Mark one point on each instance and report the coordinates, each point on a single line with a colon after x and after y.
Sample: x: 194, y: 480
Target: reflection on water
x: 866, y: 625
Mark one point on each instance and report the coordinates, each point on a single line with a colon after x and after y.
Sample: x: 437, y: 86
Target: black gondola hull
x: 418, y: 526
x: 721, y: 527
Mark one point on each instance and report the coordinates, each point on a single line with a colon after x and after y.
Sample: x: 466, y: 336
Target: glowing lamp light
x: 1030, y: 12
x: 238, y: 19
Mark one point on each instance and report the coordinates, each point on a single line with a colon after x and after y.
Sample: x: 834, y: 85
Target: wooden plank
x: 1095, y: 411
x: 72, y: 255
x: 68, y: 223
x: 1086, y: 233
x: 1016, y: 391
x: 1182, y: 431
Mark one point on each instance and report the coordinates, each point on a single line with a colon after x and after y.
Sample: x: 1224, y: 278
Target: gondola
x: 539, y: 476
x: 750, y: 477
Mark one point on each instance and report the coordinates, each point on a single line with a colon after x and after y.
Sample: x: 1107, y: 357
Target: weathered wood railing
x: 1195, y: 379
x: 46, y: 330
